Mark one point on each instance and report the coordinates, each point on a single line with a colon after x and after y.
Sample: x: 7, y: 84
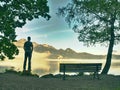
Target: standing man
x: 28, y: 48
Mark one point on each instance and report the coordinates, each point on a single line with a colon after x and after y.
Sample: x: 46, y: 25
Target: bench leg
x: 64, y: 73
x: 96, y: 75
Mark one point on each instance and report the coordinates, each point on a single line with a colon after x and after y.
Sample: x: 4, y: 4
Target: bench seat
x: 81, y: 67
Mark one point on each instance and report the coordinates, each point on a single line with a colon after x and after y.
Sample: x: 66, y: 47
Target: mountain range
x: 68, y: 53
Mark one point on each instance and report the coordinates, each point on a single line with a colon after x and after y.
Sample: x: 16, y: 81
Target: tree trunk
x: 110, y: 50
x: 109, y: 58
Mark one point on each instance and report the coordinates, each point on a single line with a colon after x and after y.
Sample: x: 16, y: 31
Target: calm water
x: 115, y: 67
x: 47, y: 66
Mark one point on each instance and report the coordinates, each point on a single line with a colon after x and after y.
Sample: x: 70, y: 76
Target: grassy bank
x: 13, y: 81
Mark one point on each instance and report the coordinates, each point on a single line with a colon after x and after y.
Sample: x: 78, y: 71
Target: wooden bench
x: 81, y: 67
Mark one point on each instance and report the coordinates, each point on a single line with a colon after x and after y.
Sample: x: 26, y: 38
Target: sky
x: 57, y: 33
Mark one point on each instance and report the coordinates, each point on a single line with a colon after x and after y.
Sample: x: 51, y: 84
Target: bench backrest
x: 87, y: 67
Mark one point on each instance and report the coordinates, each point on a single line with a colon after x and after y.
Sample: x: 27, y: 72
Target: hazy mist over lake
x: 42, y: 65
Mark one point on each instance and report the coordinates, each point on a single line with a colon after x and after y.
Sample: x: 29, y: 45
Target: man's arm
x: 24, y: 46
x: 31, y: 46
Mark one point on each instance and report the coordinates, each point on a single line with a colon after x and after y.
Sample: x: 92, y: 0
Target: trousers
x: 28, y: 56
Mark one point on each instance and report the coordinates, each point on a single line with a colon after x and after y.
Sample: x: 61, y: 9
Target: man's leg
x: 25, y: 60
x: 29, y: 62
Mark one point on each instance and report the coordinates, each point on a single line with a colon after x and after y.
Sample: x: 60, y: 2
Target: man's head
x: 29, y: 38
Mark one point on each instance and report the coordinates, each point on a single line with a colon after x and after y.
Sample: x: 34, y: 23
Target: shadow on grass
x: 60, y: 75
x: 25, y: 73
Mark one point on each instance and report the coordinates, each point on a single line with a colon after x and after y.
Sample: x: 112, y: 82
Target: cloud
x: 19, y: 30
x: 41, y: 36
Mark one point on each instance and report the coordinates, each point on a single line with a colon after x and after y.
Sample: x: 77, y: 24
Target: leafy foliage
x: 92, y: 19
x: 96, y: 21
x: 13, y: 14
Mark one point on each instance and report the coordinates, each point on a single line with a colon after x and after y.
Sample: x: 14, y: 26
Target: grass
x: 25, y: 73
x: 13, y: 80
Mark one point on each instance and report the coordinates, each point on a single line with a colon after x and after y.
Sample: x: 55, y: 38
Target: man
x: 28, y: 48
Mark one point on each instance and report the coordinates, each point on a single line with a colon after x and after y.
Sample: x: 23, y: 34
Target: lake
x: 115, y: 66
x: 46, y: 66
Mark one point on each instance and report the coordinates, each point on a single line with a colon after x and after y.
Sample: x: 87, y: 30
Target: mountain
x: 60, y: 53
x: 67, y: 53
x: 21, y: 42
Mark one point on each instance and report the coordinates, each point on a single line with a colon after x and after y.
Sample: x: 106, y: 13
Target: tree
x: 13, y: 14
x: 96, y: 22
